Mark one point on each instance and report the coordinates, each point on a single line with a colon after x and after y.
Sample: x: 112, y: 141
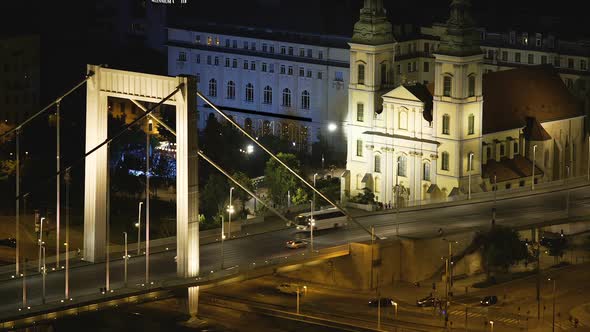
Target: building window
x: 583, y: 65
x: 319, y: 75
x: 409, y: 67
x: 305, y: 100
x: 246, y: 45
x: 267, y: 95
x: 234, y: 44
x: 208, y: 59
x: 249, y: 92
x: 359, y: 148
x: 399, y: 69
x: 512, y: 37
x: 283, y: 69
x: 445, y: 161
x: 246, y: 64
x: 426, y: 47
x: 198, y: 58
x: 338, y: 76
x: 447, y: 85
x: 302, y: 52
x: 446, y: 124
x: 181, y: 56
x: 489, y: 152
x: 301, y: 71
x: 264, y: 47
x: 227, y: 62
x: 309, y: 53
x: 543, y: 59
x: 502, y: 150
x: 401, y: 166
x: 491, y: 54
x: 231, y: 90
x: 426, y: 171
x: 384, y: 73
x: 403, y: 120
x: 505, y: 56
x: 266, y: 128
x: 235, y: 63
x: 217, y: 41
x: 320, y: 55
x: 557, y: 61
x: 471, y: 124
x: 212, y: 88
x: 515, y: 147
x: 414, y: 68
x: 309, y: 73
x: 517, y: 57
x: 264, y: 67
x: 287, y: 97
x: 209, y: 40
x: 198, y: 39
x: 360, y: 112
x: 253, y: 46
x: 290, y: 70
x: 290, y: 50
x: 426, y: 66
x: 253, y: 65
x: 377, y: 163
x: 508, y: 185
x: 271, y: 68
x: 283, y: 50
x: 521, y: 183
x: 471, y: 86
x: 361, y: 74
x: 531, y: 59
x: 216, y: 61
x: 570, y: 63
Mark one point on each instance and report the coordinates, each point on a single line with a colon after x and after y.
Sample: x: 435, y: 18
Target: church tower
x: 458, y: 103
x: 371, y: 75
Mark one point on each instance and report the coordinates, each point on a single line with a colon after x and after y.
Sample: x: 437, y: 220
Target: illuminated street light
x: 250, y: 149
x: 40, y: 239
x: 491, y: 326
x: 138, y: 225
x: 230, y: 210
x: 332, y: 127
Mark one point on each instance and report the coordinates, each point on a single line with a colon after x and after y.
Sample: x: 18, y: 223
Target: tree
x: 214, y: 195
x: 366, y: 197
x: 557, y: 247
x: 239, y: 193
x: 501, y: 247
x: 279, y: 180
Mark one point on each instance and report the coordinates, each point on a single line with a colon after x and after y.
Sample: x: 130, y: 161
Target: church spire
x: 373, y: 28
x: 461, y: 37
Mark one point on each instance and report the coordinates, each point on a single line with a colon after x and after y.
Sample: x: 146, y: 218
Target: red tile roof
x: 511, y: 96
x: 509, y: 169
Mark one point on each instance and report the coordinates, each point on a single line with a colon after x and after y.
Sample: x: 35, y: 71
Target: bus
x: 324, y: 219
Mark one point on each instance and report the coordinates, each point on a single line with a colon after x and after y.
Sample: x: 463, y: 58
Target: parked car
x: 385, y: 302
x: 489, y: 300
x: 428, y: 301
x: 290, y: 289
x: 294, y: 244
x: 8, y: 242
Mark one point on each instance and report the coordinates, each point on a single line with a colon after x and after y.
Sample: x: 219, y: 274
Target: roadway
x: 513, y: 212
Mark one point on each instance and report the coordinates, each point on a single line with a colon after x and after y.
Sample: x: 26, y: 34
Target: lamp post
x: 567, y: 196
x: 67, y: 243
x: 449, y: 275
x: 469, y: 172
x: 313, y: 206
x: 230, y: 210
x: 17, y: 215
x: 40, y: 242
x: 126, y: 257
x: 553, y: 319
x: 534, y: 159
x: 394, y: 310
x: 491, y: 326
x: 222, y: 239
x: 311, y: 225
x: 138, y: 225
x: 147, y: 203
x: 58, y: 187
x: 24, y: 269
x: 44, y: 272
x: 397, y: 199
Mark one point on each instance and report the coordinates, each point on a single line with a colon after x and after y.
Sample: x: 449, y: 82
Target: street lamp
x: 332, y: 127
x: 44, y: 272
x: 138, y: 225
x: 534, y: 158
x: 395, y: 310
x: 491, y: 326
x: 449, y: 274
x: 222, y: 239
x: 469, y: 172
x: 553, y: 320
x: 40, y: 241
x: 230, y: 210
x: 126, y: 257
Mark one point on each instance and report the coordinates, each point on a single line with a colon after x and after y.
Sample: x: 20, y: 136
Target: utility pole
x: 24, y: 269
x: 58, y: 186
x: 126, y: 260
x: 537, y: 247
x: 67, y: 180
x: 17, y: 215
x: 147, y: 203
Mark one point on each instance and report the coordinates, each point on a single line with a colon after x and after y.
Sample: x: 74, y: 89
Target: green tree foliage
x: 501, y: 248
x: 240, y: 194
x: 329, y: 187
x: 279, y: 180
x: 366, y: 197
x: 214, y: 196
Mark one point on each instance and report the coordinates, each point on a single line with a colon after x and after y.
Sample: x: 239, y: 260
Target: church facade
x: 462, y: 133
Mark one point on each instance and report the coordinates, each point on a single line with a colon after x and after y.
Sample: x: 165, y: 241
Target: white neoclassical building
x: 461, y: 133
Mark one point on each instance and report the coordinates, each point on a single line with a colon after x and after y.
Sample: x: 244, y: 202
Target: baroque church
x: 462, y: 134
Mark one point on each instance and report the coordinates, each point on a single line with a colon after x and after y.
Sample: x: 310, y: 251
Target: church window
x: 359, y: 148
x: 403, y: 120
x: 471, y: 124
x: 378, y: 163
x: 361, y: 74
x: 287, y: 97
x: 249, y: 92
x: 305, y: 100
x: 231, y: 90
x: 212, y: 88
x: 447, y: 85
x: 401, y: 166
x: 446, y: 124
x: 426, y: 171
x: 471, y: 86
x: 399, y: 69
x: 383, y: 73
x: 445, y: 161
x: 360, y: 112
x: 267, y: 95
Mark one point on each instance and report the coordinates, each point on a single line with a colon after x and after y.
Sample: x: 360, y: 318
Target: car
x: 291, y: 289
x: 295, y: 244
x: 8, y: 242
x: 428, y: 301
x: 489, y: 300
x: 385, y: 302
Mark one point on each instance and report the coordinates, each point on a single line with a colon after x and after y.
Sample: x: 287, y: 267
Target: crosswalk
x: 471, y: 314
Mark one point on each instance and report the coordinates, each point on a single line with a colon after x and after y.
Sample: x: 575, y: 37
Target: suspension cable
x: 212, y: 163
x: 56, y: 101
x: 230, y: 120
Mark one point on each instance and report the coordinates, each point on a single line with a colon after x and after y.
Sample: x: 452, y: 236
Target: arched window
x: 426, y: 171
x: 305, y: 100
x: 377, y: 184
x: 248, y: 125
x: 378, y: 163
x: 287, y: 97
x: 360, y: 112
x: 384, y: 73
x: 231, y: 90
x: 249, y: 92
x: 471, y: 86
x: 267, y: 95
x: 471, y: 124
x: 446, y: 124
x: 266, y: 130
x: 361, y: 74
x: 403, y: 119
x: 447, y: 86
x: 401, y: 165
x: 444, y: 165
x: 212, y: 88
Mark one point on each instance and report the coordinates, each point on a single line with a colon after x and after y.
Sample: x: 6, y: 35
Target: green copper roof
x: 461, y: 38
x: 373, y: 28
